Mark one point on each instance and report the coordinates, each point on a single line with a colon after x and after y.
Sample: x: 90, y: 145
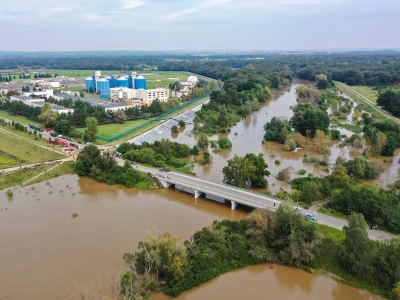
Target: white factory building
x: 133, y: 96
x: 40, y: 102
x: 43, y: 93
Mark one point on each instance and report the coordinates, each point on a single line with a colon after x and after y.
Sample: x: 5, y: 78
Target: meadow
x: 23, y: 151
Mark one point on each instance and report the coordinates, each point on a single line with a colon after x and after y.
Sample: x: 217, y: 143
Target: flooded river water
x: 247, y: 136
x: 276, y: 282
x: 45, y: 252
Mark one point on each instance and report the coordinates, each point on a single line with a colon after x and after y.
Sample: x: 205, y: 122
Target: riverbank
x: 262, y: 237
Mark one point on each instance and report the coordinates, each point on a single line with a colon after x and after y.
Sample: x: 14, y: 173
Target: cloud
x: 130, y: 4
x: 197, y: 8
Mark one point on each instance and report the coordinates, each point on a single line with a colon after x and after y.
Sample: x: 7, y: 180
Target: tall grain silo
x: 130, y: 83
x: 122, y: 82
x: 111, y: 79
x: 140, y: 83
x: 90, y: 84
x: 103, y: 86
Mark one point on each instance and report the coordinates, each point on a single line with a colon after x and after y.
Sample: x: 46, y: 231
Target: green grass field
x: 162, y: 79
x: 367, y: 92
x: 21, y: 120
x: 63, y: 169
x: 24, y: 151
x: 369, y: 108
x: 17, y: 177
x: 110, y: 130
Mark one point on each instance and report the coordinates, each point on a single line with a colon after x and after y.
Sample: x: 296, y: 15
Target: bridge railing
x: 237, y: 188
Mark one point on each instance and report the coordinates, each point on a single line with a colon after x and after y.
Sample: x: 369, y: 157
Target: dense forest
x: 353, y: 68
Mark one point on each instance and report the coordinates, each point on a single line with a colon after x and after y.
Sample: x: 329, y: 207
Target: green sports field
x: 111, y: 130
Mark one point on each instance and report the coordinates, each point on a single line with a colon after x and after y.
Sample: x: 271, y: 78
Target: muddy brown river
x: 45, y: 253
x: 247, y: 136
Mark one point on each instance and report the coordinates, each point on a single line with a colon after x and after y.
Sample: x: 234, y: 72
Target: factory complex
x: 130, y: 89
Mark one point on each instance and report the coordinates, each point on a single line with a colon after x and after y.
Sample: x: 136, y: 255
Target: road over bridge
x: 198, y: 186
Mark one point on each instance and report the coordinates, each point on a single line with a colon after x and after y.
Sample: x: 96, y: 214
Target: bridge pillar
x: 197, y: 194
x: 164, y: 183
x: 234, y: 205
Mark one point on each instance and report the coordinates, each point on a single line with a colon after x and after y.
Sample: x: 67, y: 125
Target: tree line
x: 162, y: 263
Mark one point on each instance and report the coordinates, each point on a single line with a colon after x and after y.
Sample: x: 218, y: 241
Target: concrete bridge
x: 219, y: 192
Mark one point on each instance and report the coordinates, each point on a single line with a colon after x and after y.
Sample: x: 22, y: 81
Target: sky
x: 76, y: 25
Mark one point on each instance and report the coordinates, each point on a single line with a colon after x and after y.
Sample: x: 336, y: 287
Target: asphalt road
x: 268, y: 203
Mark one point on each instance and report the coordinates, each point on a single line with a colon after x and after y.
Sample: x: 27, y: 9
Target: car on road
x: 134, y: 162
x: 310, y: 217
x: 53, y: 134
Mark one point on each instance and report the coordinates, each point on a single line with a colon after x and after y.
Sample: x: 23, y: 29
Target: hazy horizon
x: 209, y: 25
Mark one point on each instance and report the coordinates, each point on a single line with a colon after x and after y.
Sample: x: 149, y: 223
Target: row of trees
x: 390, y: 100
x: 162, y: 153
x: 104, y: 168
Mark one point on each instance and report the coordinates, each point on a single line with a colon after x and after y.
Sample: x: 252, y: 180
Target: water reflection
x: 247, y: 136
x: 272, y: 282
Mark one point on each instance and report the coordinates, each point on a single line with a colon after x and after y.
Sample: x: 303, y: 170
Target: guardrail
x: 234, y: 187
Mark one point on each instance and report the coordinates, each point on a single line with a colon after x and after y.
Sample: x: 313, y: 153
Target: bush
x: 277, y: 162
x: 290, y: 145
x: 174, y: 129
x: 284, y: 175
x: 224, y: 143
x: 335, y: 134
x: 9, y: 193
x: 301, y: 172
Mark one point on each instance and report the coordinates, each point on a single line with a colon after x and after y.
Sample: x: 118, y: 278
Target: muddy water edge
x: 45, y: 252
x: 247, y: 137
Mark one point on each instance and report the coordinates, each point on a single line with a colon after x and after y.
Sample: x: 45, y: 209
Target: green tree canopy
x: 310, y: 118
x: 238, y: 171
x: 92, y: 128
x: 258, y: 177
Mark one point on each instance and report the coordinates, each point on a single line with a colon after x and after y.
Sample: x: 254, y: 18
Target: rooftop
x: 92, y: 101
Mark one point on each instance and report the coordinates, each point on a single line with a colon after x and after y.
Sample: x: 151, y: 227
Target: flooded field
x: 247, y: 136
x: 46, y: 252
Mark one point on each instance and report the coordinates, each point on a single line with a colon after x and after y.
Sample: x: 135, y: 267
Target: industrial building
x: 43, y: 93
x: 145, y: 96
x: 40, y: 102
x: 95, y: 102
x: 98, y: 83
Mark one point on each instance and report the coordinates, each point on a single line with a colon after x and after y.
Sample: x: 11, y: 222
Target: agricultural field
x: 110, y: 130
x: 17, y: 151
x: 162, y: 79
x: 367, y: 92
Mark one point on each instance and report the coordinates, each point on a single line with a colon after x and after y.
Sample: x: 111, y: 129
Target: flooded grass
x: 18, y: 177
x: 63, y: 169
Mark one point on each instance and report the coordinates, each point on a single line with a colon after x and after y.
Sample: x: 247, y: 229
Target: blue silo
x: 111, y: 80
x: 130, y: 83
x: 140, y: 83
x: 90, y: 84
x: 103, y: 86
x: 122, y: 82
